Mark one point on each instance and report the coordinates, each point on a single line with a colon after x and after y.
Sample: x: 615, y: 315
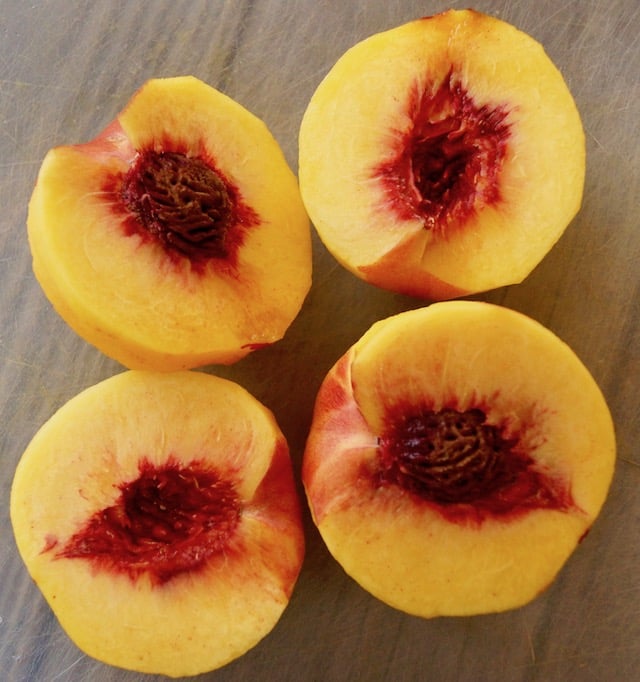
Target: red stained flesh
x: 257, y: 346
x: 187, y: 205
x: 170, y: 520
x: 466, y: 468
x: 175, y: 196
x: 446, y: 165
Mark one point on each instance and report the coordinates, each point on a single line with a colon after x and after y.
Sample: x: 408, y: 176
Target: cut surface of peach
x: 158, y: 515
x: 442, y: 157
x: 177, y: 238
x: 457, y: 456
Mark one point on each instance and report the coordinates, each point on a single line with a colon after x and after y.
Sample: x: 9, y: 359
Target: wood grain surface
x: 66, y: 69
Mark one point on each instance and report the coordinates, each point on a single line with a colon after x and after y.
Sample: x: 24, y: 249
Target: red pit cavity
x: 447, y: 164
x: 170, y: 520
x: 465, y: 466
x: 187, y: 205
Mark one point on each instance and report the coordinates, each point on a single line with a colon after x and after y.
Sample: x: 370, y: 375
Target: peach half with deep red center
x: 158, y: 514
x: 457, y: 456
x: 442, y: 157
x: 177, y: 237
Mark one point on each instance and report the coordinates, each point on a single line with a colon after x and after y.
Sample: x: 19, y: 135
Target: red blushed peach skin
x: 442, y: 157
x: 457, y: 456
x: 177, y: 238
x: 158, y: 515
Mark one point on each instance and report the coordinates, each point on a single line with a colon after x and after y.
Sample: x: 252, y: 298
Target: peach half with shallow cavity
x: 442, y: 157
x: 457, y: 456
x: 158, y: 515
x: 177, y: 238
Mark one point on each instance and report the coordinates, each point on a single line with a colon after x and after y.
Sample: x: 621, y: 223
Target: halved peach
x: 158, y: 515
x: 457, y: 455
x: 442, y: 157
x: 176, y: 238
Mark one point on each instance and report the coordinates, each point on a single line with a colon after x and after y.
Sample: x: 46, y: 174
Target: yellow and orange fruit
x: 457, y: 456
x: 442, y: 157
x: 158, y: 514
x: 177, y: 238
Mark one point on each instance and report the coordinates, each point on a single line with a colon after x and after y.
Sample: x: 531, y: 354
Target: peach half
x: 177, y: 238
x: 442, y: 157
x: 157, y: 513
x: 457, y: 456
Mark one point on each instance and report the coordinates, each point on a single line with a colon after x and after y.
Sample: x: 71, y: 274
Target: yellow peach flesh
x: 414, y: 555
x: 123, y: 294
x: 359, y: 112
x: 195, y: 621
